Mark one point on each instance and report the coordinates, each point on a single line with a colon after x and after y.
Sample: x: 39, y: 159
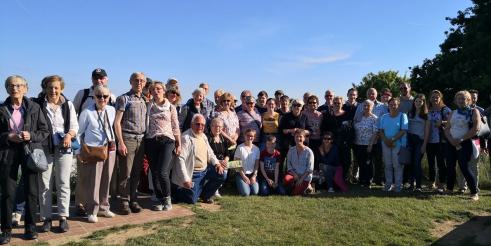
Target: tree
x: 383, y: 79
x: 464, y: 58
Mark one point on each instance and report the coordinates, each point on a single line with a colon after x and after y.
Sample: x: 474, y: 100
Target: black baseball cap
x: 99, y: 72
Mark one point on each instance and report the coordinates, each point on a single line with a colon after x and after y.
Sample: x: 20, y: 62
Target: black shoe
x: 135, y: 207
x: 5, y: 238
x: 30, y: 234
x: 64, y: 225
x: 125, y: 208
x: 81, y: 211
x: 46, y: 225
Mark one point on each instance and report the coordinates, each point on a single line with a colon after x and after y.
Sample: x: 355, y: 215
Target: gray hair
x: 196, y: 116
x: 133, y: 75
x: 368, y: 102
x: 102, y: 89
x: 13, y: 78
x: 200, y: 91
x: 217, y: 120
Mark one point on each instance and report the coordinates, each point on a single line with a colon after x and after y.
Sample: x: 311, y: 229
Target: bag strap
x: 103, y: 123
x: 84, y: 98
x: 107, y: 118
x: 255, y: 121
x: 10, y: 119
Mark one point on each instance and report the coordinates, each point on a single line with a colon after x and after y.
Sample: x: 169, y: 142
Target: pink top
x: 16, y: 123
x: 162, y: 120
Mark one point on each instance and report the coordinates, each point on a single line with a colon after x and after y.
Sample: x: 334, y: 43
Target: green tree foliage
x: 464, y: 61
x: 383, y: 79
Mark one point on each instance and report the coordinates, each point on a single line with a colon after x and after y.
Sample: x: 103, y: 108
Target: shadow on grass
x: 476, y: 231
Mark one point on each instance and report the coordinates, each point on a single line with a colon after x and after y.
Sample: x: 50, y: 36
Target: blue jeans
x: 265, y: 189
x: 415, y: 144
x: 329, y: 172
x: 205, y: 184
x: 463, y: 156
x: 245, y: 189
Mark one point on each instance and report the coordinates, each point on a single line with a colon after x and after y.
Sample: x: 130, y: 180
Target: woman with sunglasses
x: 226, y: 113
x: 314, y: 119
x: 365, y: 137
x: 96, y: 129
x: 174, y: 96
x: 327, y: 156
x: 63, y: 126
x: 162, y: 141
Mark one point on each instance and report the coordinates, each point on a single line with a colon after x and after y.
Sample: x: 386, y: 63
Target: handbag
x: 404, y: 155
x: 35, y: 159
x: 94, y: 154
x: 483, y: 131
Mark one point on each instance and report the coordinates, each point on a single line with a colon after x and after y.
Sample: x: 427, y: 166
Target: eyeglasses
x: 199, y: 124
x: 250, y: 103
x: 226, y: 101
x: 336, y: 103
x: 312, y: 102
x: 102, y: 96
x: 11, y: 86
x: 250, y: 136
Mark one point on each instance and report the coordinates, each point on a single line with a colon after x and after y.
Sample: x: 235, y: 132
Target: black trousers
x: 436, y: 151
x: 8, y: 182
x: 160, y: 154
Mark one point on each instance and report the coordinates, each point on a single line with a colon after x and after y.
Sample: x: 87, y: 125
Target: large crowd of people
x: 278, y: 145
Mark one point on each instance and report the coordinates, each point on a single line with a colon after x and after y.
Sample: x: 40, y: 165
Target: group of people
x: 278, y: 145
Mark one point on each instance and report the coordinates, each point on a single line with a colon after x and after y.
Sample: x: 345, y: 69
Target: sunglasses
x: 102, y: 96
x: 250, y: 103
x: 226, y: 101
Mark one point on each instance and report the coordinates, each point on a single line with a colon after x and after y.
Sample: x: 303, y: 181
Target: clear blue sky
x: 296, y: 46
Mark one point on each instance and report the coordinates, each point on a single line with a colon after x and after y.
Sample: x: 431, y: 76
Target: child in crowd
x: 269, y: 163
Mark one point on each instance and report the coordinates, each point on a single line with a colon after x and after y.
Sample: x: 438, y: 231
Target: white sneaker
x: 107, y: 214
x: 331, y: 190
x: 92, y: 218
x: 217, y: 194
x: 475, y: 197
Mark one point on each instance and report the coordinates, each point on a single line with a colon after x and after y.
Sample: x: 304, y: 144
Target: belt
x: 133, y: 136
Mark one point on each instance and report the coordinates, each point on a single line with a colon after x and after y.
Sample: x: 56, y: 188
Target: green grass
x: 359, y: 217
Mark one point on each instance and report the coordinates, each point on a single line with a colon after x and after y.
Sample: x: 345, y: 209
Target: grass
x: 359, y: 217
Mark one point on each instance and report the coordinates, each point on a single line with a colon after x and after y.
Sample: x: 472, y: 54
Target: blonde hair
x: 466, y: 95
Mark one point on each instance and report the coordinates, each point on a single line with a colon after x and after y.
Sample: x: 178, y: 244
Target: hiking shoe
x: 217, y: 194
x: 46, y: 227
x: 135, y: 207
x: 30, y: 233
x: 92, y: 218
x: 158, y: 207
x: 64, y: 225
x: 16, y: 219
x: 418, y: 190
x: 125, y: 208
x: 167, y: 203
x: 106, y: 214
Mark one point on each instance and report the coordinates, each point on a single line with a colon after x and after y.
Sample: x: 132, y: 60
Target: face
x: 327, y: 140
x: 296, y: 108
x: 216, y: 128
x: 385, y: 98
x: 313, y: 103
x: 16, y: 89
x: 205, y: 88
x: 198, y: 98
x: 271, y: 105
x: 227, y: 103
x: 405, y: 89
x: 435, y: 98
x: 474, y: 98
x: 53, y: 90
x: 243, y: 96
x: 157, y: 91
x: 99, y: 80
x: 284, y: 103
x: 278, y: 96
x: 250, y: 106
x: 418, y: 102
x: 138, y: 82
x: 299, y: 138
x: 249, y: 137
x: 337, y: 104
x: 329, y: 96
x: 217, y: 97
x: 367, y: 107
x: 262, y: 100
x: 270, y: 144
x: 198, y: 125
x: 352, y: 95
x: 372, y: 95
x: 393, y: 106
x: 101, y: 98
x: 460, y: 101
x: 171, y: 96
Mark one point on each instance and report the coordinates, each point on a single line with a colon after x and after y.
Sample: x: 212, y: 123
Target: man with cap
x: 83, y: 99
x: 130, y: 127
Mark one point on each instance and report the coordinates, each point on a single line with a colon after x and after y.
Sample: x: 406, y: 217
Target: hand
x: 25, y: 135
x: 270, y: 182
x: 253, y: 179
x: 388, y: 142
x: 177, y: 150
x: 454, y: 142
x: 275, y: 184
x: 122, y: 150
x: 246, y: 180
x: 219, y: 169
x: 188, y: 185
x: 224, y: 164
x: 67, y: 141
x: 15, y: 138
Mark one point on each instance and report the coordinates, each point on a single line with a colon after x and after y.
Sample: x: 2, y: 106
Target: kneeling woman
x: 248, y: 154
x: 96, y: 130
x: 300, y: 163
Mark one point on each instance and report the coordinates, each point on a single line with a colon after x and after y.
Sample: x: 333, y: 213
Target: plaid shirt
x: 134, y: 113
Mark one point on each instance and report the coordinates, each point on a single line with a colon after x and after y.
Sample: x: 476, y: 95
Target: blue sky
x: 296, y: 46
